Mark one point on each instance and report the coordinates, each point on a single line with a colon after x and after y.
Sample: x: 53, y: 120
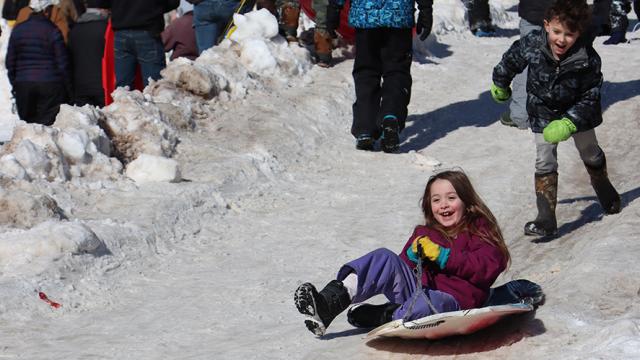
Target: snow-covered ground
x: 269, y: 192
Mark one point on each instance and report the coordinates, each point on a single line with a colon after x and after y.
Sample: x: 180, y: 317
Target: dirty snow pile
x: 135, y: 137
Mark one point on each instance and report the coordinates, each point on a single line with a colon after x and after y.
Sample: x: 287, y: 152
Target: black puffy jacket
x: 141, y: 14
x: 555, y: 89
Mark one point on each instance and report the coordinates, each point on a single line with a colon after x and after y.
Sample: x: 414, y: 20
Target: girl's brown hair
x: 574, y: 14
x: 475, y: 209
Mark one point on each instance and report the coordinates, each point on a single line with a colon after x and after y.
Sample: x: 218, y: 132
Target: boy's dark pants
x: 382, y: 77
x: 39, y: 102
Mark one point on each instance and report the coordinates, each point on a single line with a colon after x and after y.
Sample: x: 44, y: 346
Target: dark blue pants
x: 210, y: 17
x: 137, y: 47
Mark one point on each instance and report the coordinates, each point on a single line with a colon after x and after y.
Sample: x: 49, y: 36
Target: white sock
x: 351, y: 283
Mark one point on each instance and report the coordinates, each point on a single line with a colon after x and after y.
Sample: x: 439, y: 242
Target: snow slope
x: 274, y: 194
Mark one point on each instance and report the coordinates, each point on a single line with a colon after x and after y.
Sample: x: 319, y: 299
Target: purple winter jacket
x: 472, y: 267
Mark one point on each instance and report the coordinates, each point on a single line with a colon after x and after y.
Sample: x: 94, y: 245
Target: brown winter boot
x: 322, y: 45
x: 545, y: 223
x: 289, y: 22
x: 607, y: 195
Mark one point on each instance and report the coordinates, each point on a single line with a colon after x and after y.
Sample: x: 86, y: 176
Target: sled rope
x: 419, y: 290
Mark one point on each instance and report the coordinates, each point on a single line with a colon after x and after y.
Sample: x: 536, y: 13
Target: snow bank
x: 32, y: 251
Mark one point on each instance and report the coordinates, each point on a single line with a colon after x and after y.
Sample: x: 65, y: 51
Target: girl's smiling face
x: 561, y: 39
x: 446, y: 205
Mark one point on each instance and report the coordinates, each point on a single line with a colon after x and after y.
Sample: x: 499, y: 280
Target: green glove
x: 558, y: 130
x: 499, y: 94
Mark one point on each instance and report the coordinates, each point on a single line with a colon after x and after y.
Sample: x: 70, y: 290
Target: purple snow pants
x: 383, y: 272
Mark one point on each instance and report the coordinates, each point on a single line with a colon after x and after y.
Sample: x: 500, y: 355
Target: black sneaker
x: 321, y: 307
x: 390, y: 141
x: 370, y: 316
x: 365, y: 142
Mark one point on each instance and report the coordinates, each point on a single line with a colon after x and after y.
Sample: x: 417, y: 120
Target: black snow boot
x: 370, y: 316
x: 516, y: 291
x: 607, y: 195
x: 545, y: 224
x: 365, y: 142
x: 617, y: 37
x: 390, y: 141
x: 321, y: 307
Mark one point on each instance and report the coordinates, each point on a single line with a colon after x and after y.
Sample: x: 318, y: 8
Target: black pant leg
x: 26, y: 96
x: 367, y: 75
x: 479, y: 14
x: 51, y: 96
x: 397, y: 55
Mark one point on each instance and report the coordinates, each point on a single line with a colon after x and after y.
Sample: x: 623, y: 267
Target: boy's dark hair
x: 574, y: 14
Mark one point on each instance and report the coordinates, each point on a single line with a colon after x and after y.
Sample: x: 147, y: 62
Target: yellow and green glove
x: 558, y: 130
x: 429, y: 250
x: 499, y: 94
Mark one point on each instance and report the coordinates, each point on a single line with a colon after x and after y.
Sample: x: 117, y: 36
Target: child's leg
x: 546, y: 155
x: 596, y: 164
x: 380, y: 272
x: 588, y: 148
x: 367, y: 74
x: 441, y: 301
x: 546, y: 189
x: 383, y: 272
x: 396, y: 53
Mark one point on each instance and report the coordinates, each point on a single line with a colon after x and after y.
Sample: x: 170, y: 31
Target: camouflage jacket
x: 555, y: 89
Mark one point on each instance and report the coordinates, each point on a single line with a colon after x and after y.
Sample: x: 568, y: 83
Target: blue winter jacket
x: 36, y: 53
x: 367, y: 14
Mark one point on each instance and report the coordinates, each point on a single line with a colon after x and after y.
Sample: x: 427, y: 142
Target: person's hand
x: 499, y: 94
x: 425, y: 248
x: 558, y: 130
x: 424, y: 23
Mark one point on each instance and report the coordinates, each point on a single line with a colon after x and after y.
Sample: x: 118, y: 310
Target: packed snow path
x: 277, y: 195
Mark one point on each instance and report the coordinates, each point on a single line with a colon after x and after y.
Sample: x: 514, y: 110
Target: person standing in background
x: 86, y: 47
x: 56, y: 16
x: 179, y: 37
x: 619, y: 22
x: 37, y: 66
x: 382, y: 67
x: 479, y: 15
x: 10, y: 10
x: 210, y: 18
x: 137, y: 26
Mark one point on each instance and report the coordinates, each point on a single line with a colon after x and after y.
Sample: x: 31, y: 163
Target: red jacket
x: 472, y: 267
